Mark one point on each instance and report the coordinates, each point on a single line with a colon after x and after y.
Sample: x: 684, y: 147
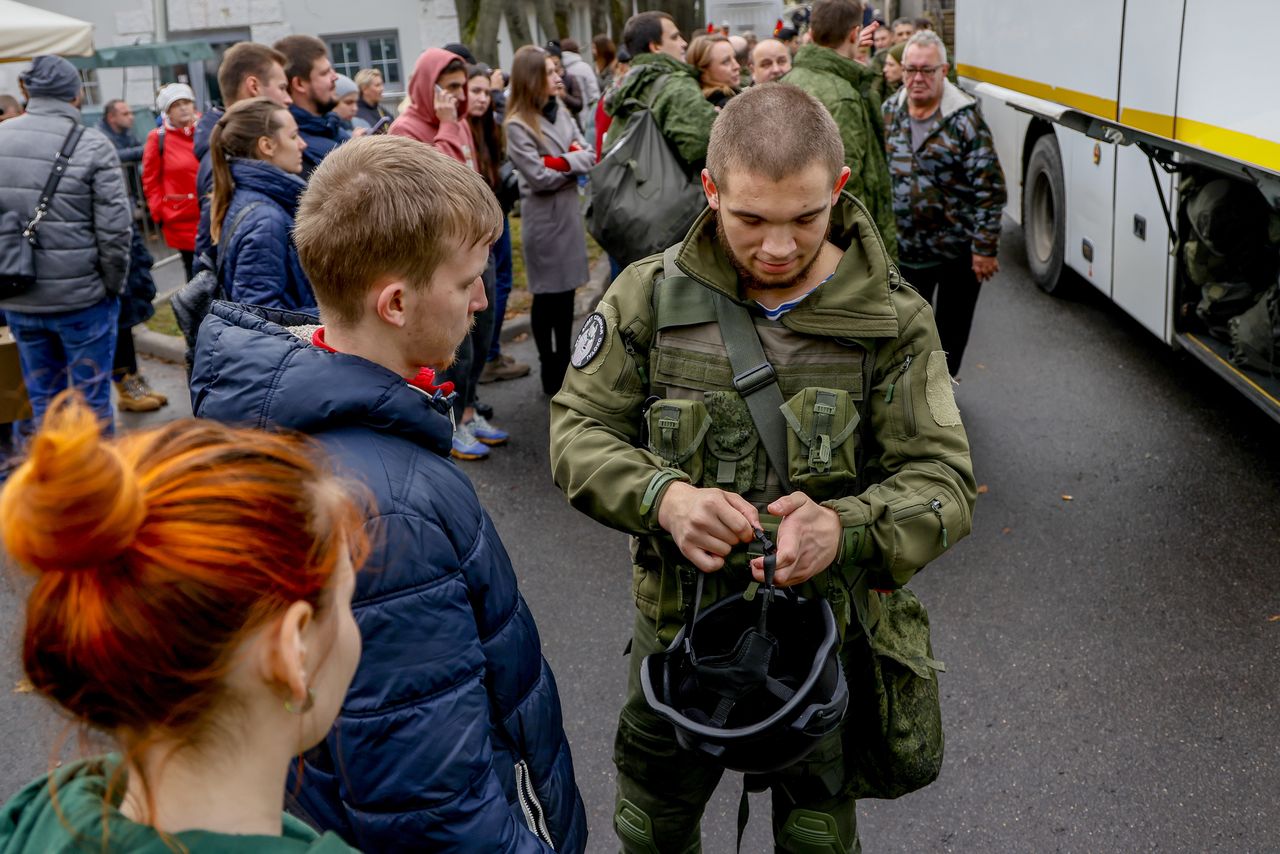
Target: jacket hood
x: 644, y: 70
x: 954, y: 99
x: 251, y: 369
x: 270, y: 180
x: 422, y: 85
x: 204, y: 129
x: 854, y: 303
x: 824, y: 59
x: 33, y: 821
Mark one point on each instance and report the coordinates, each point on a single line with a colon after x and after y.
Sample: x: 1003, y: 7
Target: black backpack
x: 641, y: 199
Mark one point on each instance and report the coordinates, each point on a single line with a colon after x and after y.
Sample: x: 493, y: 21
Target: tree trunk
x: 545, y: 13
x: 466, y: 10
x: 599, y: 18
x: 517, y: 25
x: 619, y: 11
x: 484, y: 41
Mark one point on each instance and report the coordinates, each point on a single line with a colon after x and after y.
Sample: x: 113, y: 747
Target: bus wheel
x: 1044, y: 218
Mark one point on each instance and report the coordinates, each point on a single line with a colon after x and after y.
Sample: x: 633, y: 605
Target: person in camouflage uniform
x: 948, y: 190
x: 660, y: 79
x: 651, y: 435
x: 827, y: 70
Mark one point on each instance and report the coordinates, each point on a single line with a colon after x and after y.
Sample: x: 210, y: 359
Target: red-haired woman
x: 192, y: 600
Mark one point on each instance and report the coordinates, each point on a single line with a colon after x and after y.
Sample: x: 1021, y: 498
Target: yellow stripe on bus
x: 1091, y: 104
x: 1259, y: 389
x: 1212, y: 138
x: 1157, y: 123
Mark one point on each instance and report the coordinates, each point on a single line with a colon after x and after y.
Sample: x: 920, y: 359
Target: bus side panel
x: 1148, y: 96
x: 1227, y: 102
x: 1009, y: 130
x: 1064, y: 52
x: 1089, y: 177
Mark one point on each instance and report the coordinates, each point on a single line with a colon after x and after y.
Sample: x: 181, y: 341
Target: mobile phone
x: 381, y: 126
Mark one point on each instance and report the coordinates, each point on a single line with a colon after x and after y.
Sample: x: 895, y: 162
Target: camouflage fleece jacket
x: 948, y: 196
x: 844, y: 88
x: 681, y: 112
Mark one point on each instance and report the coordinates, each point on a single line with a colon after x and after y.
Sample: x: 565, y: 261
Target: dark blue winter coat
x: 322, y: 135
x: 204, y: 184
x: 259, y: 261
x: 452, y: 699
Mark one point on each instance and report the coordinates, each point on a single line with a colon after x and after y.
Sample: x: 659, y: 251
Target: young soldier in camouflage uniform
x: 660, y: 79
x: 948, y: 190
x: 827, y: 70
x: 651, y: 435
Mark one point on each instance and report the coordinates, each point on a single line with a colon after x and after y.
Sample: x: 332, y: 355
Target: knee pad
x: 810, y: 832
x: 634, y: 828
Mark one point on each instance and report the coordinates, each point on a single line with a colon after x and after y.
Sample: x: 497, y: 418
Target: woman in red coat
x: 169, y: 173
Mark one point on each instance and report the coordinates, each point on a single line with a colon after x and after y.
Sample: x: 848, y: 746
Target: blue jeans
x: 73, y: 348
x: 501, y: 257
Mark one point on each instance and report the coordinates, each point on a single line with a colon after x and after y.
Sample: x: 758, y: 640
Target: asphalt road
x: 1112, y: 662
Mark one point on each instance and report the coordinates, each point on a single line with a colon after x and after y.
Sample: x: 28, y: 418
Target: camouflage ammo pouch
x: 893, y: 741
x: 732, y: 458
x: 821, y: 450
x: 677, y: 430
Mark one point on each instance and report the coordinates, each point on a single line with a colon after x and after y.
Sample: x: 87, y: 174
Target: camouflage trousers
x: 663, y: 788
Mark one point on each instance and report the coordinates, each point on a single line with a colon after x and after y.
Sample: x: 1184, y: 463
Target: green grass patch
x: 163, y: 320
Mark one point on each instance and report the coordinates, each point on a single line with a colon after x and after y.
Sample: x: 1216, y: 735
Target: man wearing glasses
x: 827, y: 70
x: 948, y: 190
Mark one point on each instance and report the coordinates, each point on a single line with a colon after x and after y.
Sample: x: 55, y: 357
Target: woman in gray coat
x: 545, y: 146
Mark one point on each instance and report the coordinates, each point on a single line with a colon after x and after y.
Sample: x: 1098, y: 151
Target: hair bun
x: 74, y: 503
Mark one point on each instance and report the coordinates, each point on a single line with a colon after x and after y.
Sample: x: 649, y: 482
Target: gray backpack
x: 641, y: 197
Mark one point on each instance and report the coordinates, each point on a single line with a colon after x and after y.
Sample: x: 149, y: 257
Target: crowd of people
x: 363, y: 258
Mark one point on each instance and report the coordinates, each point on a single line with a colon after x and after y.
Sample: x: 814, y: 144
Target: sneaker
x: 465, y: 444
x: 147, y: 389
x: 486, y: 432
x: 503, y: 368
x: 133, y: 396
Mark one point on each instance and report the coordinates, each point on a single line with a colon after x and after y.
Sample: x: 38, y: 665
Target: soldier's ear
x: 713, y: 195
x: 841, y: 180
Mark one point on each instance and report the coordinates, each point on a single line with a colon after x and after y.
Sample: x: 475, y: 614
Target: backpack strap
x: 60, y: 162
x: 753, y: 376
x: 229, y: 233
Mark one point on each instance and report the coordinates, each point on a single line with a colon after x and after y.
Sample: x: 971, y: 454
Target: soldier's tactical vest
x: 697, y: 422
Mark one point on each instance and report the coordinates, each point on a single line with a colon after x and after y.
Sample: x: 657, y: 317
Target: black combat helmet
x: 754, y: 682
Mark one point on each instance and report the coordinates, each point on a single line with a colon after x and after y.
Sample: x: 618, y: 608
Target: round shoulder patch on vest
x: 589, y: 341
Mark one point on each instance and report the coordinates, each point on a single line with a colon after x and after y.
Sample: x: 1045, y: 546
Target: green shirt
x: 33, y: 822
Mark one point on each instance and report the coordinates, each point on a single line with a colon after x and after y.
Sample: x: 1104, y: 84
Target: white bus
x: 1108, y: 117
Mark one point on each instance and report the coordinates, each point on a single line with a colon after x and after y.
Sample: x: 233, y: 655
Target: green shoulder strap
x: 753, y: 376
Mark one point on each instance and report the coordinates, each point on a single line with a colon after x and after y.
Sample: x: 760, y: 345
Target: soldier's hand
x: 706, y: 524
x: 985, y: 266
x: 808, y: 540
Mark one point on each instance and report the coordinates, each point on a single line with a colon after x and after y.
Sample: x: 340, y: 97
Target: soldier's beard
x: 748, y: 280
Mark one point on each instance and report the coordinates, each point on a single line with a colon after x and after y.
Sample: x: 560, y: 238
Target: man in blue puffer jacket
x: 450, y: 738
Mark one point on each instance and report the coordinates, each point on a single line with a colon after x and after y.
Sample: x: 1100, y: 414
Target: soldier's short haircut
x: 245, y: 60
x: 774, y: 130
x: 643, y: 30
x: 831, y: 21
x: 926, y: 38
x: 300, y: 55
x: 383, y: 207
x: 900, y: 22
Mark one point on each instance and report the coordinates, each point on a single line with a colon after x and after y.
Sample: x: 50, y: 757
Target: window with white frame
x: 380, y: 51
x: 92, y: 89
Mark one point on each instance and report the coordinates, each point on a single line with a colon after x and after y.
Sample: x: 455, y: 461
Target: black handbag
x: 508, y: 189
x: 18, y: 238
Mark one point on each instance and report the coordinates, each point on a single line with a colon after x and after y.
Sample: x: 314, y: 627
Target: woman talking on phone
x: 256, y: 153
x: 209, y: 665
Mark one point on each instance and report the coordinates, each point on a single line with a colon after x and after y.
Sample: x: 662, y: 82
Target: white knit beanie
x: 171, y: 94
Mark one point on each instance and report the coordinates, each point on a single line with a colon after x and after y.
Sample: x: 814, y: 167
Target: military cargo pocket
x: 919, y: 534
x: 677, y: 429
x: 821, y: 441
x: 733, y: 445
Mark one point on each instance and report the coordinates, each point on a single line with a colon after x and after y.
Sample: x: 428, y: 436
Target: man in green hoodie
x: 652, y: 434
x: 660, y: 80
x: 827, y: 70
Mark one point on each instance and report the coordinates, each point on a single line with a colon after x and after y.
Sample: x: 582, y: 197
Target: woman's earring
x: 306, y: 707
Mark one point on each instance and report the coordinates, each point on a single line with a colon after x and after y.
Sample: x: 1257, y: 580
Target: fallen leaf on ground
x: 23, y: 686
x: 1066, y: 498
x: 982, y: 490
x: 1007, y: 531
x: 1274, y: 618
x: 981, y: 366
